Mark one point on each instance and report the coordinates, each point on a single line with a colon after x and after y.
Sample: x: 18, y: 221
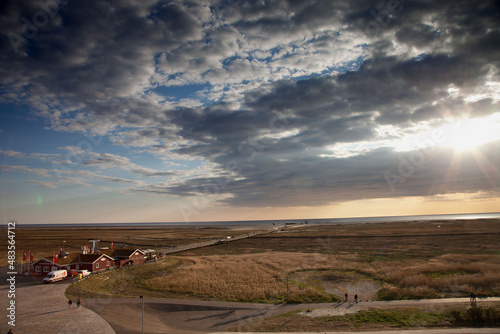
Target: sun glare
x: 464, y: 134
x: 467, y: 134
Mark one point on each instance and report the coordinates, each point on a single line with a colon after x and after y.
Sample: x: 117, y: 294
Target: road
x: 43, y: 308
x: 193, y: 316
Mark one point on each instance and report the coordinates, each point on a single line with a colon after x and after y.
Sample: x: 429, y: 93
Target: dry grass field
x: 376, y: 242
x: 386, y: 319
x: 43, y: 242
x: 379, y: 261
x: 249, y: 277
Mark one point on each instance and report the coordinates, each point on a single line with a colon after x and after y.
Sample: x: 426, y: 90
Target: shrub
x: 476, y: 316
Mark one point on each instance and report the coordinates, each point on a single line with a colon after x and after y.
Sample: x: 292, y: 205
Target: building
x: 92, y: 262
x: 43, y: 266
x: 128, y: 257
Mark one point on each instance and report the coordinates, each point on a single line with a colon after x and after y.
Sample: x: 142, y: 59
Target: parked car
x: 84, y: 272
x: 72, y: 272
x: 54, y: 276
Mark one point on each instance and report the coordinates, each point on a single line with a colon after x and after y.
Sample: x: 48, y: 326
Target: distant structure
x: 85, y: 250
x: 94, y: 242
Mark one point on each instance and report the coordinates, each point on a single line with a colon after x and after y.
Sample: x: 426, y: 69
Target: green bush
x: 476, y: 316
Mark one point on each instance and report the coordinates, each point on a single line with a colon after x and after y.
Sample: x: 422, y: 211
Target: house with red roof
x: 128, y: 257
x: 92, y: 262
x: 43, y: 266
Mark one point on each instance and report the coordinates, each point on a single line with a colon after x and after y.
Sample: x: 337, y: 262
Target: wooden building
x: 92, y: 262
x: 43, y: 266
x: 128, y: 257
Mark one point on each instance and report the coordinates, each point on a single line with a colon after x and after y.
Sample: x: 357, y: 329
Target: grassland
x: 380, y: 319
x: 125, y: 283
x: 403, y: 261
x: 43, y: 242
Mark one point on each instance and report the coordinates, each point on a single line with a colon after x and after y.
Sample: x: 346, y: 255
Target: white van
x: 84, y: 272
x: 54, y: 276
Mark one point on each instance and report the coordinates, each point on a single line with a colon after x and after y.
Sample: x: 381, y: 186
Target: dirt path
x: 191, y: 316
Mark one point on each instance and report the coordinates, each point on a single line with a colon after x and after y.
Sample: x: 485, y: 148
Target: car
x: 72, y: 272
x: 84, y: 272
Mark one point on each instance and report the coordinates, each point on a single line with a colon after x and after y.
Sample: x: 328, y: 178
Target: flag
x: 111, y: 244
x: 60, y: 249
x: 31, y: 256
x: 25, y: 256
x: 56, y: 258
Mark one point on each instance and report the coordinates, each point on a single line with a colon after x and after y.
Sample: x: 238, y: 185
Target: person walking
x: 78, y: 301
x: 70, y: 302
x: 346, y: 297
x: 356, y: 298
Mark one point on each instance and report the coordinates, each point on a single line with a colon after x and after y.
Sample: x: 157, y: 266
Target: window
x: 46, y: 269
x: 107, y: 263
x: 38, y: 269
x: 97, y: 265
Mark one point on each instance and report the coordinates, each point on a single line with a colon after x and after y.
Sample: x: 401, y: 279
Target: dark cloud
x: 310, y: 181
x: 289, y: 81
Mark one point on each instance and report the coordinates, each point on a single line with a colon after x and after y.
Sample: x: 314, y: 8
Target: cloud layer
x: 266, y: 96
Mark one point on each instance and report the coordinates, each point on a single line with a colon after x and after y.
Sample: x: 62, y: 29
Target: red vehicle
x: 72, y: 272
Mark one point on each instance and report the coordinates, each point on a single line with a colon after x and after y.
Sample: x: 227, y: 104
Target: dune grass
x: 243, y: 271
x: 128, y: 282
x: 380, y: 320
x: 249, y: 277
x: 262, y: 277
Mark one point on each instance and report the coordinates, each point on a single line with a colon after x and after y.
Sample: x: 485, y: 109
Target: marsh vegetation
x: 376, y: 261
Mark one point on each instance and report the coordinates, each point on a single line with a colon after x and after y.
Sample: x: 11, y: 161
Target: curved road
x: 43, y: 308
x: 193, y: 316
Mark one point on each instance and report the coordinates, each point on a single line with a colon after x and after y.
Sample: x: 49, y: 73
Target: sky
x: 184, y: 111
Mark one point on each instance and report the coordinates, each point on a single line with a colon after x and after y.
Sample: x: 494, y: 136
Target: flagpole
x: 30, y: 255
x: 22, y: 259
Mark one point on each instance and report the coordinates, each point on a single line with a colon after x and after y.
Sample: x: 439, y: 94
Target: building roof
x: 43, y: 259
x: 126, y: 252
x: 89, y: 258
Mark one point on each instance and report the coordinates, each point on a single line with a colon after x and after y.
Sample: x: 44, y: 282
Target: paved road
x: 42, y: 308
x: 192, y: 316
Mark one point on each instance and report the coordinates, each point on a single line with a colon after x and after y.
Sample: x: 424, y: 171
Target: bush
x: 476, y: 316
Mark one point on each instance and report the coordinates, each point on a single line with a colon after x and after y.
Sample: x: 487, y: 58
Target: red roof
x: 126, y: 252
x: 89, y: 258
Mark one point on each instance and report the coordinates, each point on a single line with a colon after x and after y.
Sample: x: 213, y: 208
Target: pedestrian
x: 346, y: 296
x: 78, y: 301
x: 10, y: 331
x: 70, y: 302
x: 356, y: 298
x: 472, y: 297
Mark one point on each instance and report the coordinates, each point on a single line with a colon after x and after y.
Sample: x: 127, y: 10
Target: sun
x: 469, y: 133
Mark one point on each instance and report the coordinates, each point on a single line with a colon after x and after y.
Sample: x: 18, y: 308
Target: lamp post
x: 142, y: 297
x: 287, y: 291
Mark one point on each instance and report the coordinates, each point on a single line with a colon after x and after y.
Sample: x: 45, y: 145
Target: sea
x: 257, y: 223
